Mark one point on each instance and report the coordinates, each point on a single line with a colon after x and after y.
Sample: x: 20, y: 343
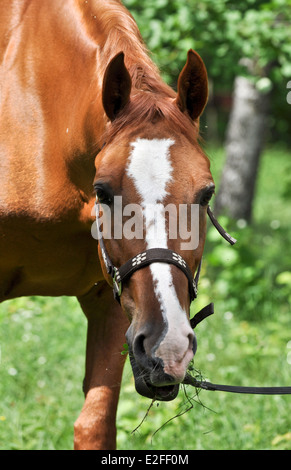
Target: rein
x: 205, y: 385
x: 189, y: 380
x: 164, y: 255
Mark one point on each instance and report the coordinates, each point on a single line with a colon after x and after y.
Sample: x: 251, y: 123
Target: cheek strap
x: 219, y: 228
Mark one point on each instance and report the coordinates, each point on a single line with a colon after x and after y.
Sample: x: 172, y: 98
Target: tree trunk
x: 244, y: 142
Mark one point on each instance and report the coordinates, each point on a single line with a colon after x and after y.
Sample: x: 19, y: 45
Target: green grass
x: 246, y: 342
x: 42, y: 363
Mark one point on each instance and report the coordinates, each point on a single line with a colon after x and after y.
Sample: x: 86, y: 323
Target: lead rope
x: 189, y: 380
x: 209, y: 310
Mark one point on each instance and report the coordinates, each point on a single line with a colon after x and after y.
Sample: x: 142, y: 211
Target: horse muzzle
x: 151, y: 379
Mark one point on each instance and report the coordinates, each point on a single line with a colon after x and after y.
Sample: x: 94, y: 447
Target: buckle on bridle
x: 117, y: 285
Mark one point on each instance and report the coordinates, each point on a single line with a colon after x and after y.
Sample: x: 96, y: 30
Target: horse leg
x: 96, y: 428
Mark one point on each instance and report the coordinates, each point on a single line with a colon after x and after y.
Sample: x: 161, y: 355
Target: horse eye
x: 104, y: 194
x: 206, y: 196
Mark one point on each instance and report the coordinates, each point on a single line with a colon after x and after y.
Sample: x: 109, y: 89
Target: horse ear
x: 193, y: 86
x: 116, y: 86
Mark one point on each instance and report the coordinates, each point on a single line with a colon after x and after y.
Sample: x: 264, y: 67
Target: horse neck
x: 73, y: 42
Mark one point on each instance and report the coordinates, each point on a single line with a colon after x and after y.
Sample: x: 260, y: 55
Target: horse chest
x: 41, y: 258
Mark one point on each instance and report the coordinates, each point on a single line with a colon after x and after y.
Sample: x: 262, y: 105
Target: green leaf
x: 125, y: 349
x: 284, y: 278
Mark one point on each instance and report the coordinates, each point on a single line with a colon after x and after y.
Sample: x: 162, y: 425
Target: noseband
x: 152, y: 255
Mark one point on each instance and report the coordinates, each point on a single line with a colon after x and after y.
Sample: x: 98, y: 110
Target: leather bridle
x: 152, y: 255
x: 163, y: 255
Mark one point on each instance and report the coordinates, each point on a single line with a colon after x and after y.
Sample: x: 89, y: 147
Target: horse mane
x: 152, y: 100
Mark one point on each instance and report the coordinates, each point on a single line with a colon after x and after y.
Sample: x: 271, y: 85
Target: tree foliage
x: 223, y: 32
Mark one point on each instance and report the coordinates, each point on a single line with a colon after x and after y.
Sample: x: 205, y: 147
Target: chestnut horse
x: 75, y: 75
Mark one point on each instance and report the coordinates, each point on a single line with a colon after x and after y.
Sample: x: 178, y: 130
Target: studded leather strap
x: 156, y: 255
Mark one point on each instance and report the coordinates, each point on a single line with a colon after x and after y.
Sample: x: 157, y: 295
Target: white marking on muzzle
x: 151, y: 170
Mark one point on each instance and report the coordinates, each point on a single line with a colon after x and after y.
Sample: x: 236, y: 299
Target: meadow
x: 246, y: 342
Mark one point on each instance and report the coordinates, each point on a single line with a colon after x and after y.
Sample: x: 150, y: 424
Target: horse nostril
x: 138, y: 347
x: 191, y: 339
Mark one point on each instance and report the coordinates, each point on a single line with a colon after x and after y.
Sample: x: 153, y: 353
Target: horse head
x: 153, y: 167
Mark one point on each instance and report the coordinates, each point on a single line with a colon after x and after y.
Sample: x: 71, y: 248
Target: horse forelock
x: 147, y: 108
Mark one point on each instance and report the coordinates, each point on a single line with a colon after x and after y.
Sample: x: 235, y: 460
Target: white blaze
x: 151, y: 171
